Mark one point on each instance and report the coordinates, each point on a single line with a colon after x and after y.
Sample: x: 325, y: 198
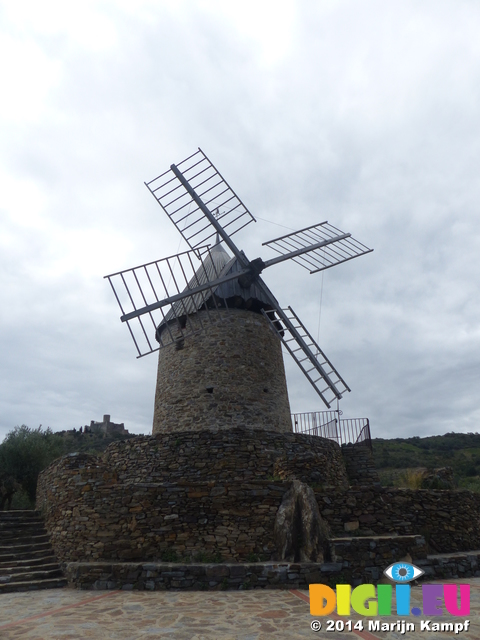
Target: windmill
x: 218, y: 326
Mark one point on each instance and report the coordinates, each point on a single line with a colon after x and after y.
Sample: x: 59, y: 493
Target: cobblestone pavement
x: 68, y: 614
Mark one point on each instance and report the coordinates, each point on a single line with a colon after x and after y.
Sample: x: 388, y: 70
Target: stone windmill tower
x: 219, y: 327
x: 230, y: 374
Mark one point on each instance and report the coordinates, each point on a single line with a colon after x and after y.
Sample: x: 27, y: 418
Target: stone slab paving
x: 69, y: 614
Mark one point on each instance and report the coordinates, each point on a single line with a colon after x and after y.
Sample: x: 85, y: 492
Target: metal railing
x: 328, y: 424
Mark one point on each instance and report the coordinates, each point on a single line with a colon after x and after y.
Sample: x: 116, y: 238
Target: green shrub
x: 25, y: 452
x: 169, y: 555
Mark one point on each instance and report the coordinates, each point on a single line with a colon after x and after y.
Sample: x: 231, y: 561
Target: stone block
x: 217, y: 571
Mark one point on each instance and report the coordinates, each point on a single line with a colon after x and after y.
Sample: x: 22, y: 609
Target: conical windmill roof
x: 217, y: 264
x: 210, y: 269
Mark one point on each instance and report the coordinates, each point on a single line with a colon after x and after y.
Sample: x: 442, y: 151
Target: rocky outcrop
x: 300, y: 534
x: 439, y: 479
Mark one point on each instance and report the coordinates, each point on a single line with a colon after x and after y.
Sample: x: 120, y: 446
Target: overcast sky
x: 365, y: 114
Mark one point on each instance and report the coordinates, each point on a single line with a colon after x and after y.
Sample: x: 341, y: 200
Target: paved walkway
x: 67, y: 614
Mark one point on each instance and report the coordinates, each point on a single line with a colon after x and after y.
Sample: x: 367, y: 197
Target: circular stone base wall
x: 230, y: 374
x: 236, y: 455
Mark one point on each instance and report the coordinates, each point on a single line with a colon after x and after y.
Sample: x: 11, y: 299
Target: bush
x: 24, y: 453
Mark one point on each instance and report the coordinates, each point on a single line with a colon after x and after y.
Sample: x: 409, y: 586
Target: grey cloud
x: 369, y: 121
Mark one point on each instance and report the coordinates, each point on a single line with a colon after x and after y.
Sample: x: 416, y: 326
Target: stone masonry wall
x: 153, y: 521
x: 229, y: 374
x: 69, y: 477
x: 236, y: 454
x: 162, y: 576
x: 362, y: 560
x: 370, y: 556
x: 360, y: 464
x: 449, y: 520
x: 223, y: 497
x: 153, y: 576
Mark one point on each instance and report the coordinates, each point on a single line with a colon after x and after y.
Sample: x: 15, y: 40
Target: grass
x: 472, y: 483
x: 411, y: 478
x: 400, y: 460
x: 209, y: 558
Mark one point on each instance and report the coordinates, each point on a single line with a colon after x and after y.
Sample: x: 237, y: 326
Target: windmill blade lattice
x: 201, y: 204
x: 315, y: 365
x: 182, y: 207
x: 343, y: 247
x: 163, y: 292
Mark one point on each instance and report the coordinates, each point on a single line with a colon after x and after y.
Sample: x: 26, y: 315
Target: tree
x: 24, y: 453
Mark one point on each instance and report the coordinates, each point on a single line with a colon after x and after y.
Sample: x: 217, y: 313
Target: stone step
x: 19, y: 515
x: 7, y: 537
x: 453, y: 556
x: 7, y: 517
x: 376, y: 552
x: 20, y: 527
x: 27, y: 560
x: 51, y: 583
x: 459, y: 564
x: 12, y: 555
x: 32, y: 576
x: 30, y: 561
x: 22, y: 540
x: 22, y: 549
x: 19, y: 522
x: 8, y: 570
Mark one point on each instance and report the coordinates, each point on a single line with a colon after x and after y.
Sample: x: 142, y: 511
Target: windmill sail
x: 164, y: 291
x: 342, y: 247
x: 171, y: 292
x: 315, y: 365
x: 182, y: 206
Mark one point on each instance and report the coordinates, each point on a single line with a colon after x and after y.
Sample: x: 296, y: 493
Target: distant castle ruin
x: 105, y: 428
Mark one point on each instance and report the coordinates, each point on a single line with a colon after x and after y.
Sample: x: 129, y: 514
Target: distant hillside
x: 461, y: 451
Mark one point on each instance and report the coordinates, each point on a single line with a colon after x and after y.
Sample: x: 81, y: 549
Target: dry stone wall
x: 184, y: 493
x: 155, y: 521
x: 449, y: 520
x: 360, y: 464
x: 162, y: 576
x: 371, y: 556
x: 215, y: 493
x: 229, y: 374
x: 233, y: 455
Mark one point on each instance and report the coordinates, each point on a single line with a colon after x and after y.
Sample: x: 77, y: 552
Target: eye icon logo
x: 403, y: 572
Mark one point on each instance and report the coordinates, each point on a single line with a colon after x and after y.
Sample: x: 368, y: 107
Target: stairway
x: 27, y: 560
